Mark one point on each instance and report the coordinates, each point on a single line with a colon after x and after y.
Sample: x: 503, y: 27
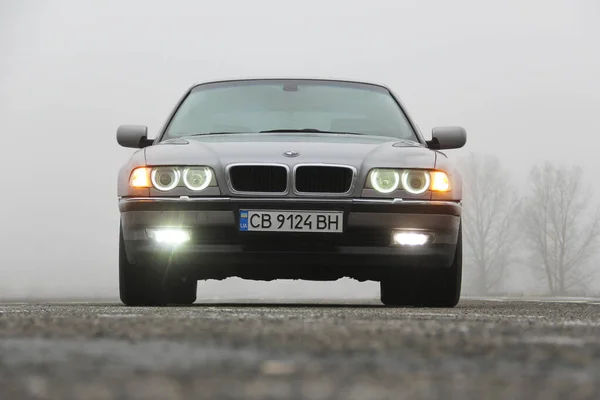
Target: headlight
x: 165, y: 178
x: 197, y: 178
x: 415, y: 181
x: 385, y: 180
x: 194, y: 178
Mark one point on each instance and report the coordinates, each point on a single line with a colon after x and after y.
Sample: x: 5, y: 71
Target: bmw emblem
x: 291, y: 153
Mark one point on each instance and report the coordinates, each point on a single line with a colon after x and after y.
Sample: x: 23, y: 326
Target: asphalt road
x: 479, y: 350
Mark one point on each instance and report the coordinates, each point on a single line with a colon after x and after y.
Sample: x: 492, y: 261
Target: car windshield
x: 290, y: 105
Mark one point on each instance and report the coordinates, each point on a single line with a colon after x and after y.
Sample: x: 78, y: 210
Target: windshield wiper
x: 310, y: 130
x: 212, y: 133
x: 313, y: 130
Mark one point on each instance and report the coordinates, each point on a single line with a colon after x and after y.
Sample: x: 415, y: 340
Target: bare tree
x: 561, y: 228
x: 489, y: 221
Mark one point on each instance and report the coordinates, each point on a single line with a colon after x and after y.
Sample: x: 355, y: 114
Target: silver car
x: 311, y: 179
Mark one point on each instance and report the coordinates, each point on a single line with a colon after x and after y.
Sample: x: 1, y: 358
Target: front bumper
x: 218, y: 249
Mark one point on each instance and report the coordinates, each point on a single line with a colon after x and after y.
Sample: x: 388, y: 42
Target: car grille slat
x: 258, y: 178
x: 323, y: 179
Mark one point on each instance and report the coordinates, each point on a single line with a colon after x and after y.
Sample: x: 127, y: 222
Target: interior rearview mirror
x: 447, y: 137
x: 135, y: 136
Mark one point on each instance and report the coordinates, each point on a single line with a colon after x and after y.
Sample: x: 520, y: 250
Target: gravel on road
x: 481, y: 349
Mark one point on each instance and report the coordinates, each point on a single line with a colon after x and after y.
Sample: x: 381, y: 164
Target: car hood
x: 358, y: 151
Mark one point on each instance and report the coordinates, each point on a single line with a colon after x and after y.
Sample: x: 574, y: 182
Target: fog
x: 521, y: 77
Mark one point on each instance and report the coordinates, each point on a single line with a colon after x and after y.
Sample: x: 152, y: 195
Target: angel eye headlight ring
x: 385, y: 180
x: 416, y: 181
x: 197, y: 178
x: 165, y: 178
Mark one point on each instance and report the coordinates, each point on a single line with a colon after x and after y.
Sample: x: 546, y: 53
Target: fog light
x: 172, y: 236
x: 410, y: 238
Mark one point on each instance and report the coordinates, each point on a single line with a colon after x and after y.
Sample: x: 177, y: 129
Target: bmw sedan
x: 312, y: 179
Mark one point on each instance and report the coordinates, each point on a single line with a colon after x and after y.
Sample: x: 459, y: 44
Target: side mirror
x: 135, y: 136
x: 447, y: 137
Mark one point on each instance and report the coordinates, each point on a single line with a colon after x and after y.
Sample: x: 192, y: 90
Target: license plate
x: 291, y: 221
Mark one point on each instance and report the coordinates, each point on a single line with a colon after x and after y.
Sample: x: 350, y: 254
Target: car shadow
x: 282, y: 305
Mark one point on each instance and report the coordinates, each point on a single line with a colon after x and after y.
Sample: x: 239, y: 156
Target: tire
x: 426, y: 288
x: 145, y: 285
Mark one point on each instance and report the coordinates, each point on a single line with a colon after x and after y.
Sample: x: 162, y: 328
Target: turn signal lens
x: 439, y: 181
x: 140, y: 178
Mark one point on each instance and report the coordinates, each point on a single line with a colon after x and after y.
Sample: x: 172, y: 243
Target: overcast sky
x: 521, y: 76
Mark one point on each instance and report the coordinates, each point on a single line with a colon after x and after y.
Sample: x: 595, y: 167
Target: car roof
x: 273, y: 78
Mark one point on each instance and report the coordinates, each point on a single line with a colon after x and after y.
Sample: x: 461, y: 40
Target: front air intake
x: 258, y: 178
x: 323, y: 179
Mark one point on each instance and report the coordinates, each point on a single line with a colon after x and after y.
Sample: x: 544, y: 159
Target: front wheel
x: 426, y: 288
x: 145, y: 285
